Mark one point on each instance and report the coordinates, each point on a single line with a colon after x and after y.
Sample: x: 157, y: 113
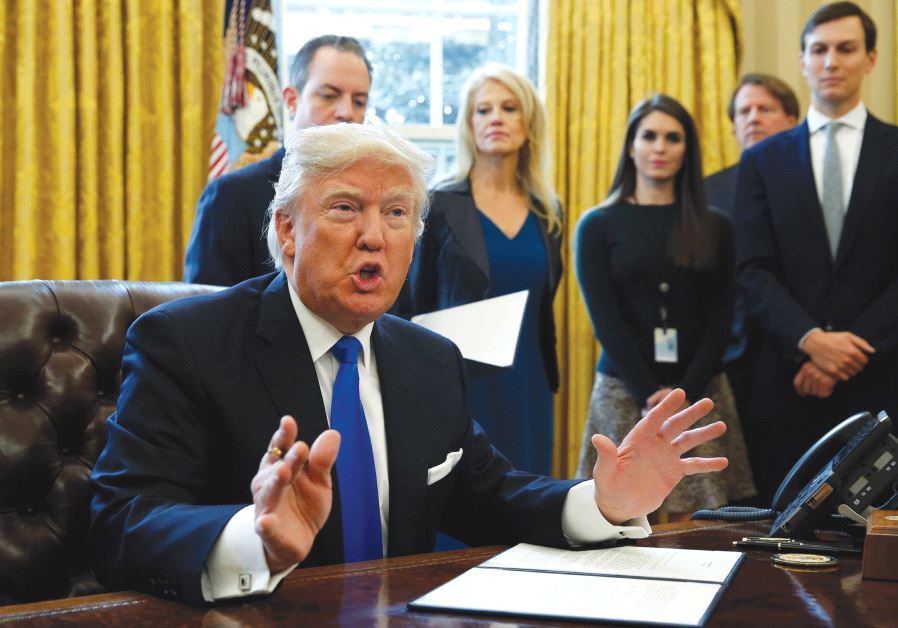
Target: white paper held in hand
x: 485, y: 331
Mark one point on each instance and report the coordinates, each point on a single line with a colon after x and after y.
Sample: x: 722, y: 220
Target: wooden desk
x: 376, y: 593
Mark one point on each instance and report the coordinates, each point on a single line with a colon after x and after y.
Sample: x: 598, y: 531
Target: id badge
x: 665, y: 344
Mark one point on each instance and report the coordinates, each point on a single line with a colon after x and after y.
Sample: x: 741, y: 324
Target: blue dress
x: 514, y: 405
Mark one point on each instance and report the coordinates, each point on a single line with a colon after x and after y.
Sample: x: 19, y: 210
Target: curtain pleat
x: 603, y: 57
x: 39, y: 150
x: 110, y: 110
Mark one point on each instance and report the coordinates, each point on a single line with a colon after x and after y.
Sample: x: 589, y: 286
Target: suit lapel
x: 464, y: 221
x: 286, y: 367
x: 406, y: 451
x: 869, y: 169
x: 807, y: 204
x: 285, y: 364
x: 552, y: 257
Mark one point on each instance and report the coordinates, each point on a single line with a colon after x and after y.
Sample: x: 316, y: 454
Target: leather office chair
x: 61, y: 345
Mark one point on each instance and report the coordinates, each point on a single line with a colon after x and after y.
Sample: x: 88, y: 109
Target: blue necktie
x: 356, y: 478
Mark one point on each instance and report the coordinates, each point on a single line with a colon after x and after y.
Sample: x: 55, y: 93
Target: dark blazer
x: 205, y: 383
x: 227, y: 244
x: 720, y: 189
x: 451, y: 265
x: 792, y: 283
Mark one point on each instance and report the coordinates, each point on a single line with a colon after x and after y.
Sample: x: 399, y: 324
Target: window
x: 422, y: 51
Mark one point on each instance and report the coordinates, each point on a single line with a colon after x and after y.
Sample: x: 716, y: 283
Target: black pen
x: 782, y: 543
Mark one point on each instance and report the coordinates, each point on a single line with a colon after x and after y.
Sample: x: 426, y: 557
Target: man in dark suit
x: 196, y: 500
x: 761, y: 105
x: 329, y: 82
x: 817, y: 226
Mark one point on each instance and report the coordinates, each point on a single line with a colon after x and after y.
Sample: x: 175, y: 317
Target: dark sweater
x: 621, y: 259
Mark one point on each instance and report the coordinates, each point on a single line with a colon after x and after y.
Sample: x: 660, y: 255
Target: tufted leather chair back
x: 61, y: 345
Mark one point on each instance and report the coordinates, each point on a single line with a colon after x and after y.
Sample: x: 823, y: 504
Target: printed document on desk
x: 622, y: 584
x: 485, y: 331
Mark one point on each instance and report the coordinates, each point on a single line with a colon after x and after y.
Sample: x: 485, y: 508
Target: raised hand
x: 811, y: 381
x: 293, y: 494
x: 656, y: 397
x: 840, y: 354
x: 632, y: 480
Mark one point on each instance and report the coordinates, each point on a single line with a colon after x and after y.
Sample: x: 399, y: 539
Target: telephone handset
x: 851, y: 468
x: 814, y: 458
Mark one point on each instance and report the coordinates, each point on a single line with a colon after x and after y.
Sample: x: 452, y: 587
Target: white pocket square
x: 437, y: 473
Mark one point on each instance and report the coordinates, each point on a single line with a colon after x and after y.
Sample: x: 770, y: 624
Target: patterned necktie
x: 833, y: 199
x: 356, y: 478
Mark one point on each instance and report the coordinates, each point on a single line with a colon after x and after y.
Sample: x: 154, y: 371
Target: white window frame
x: 436, y: 131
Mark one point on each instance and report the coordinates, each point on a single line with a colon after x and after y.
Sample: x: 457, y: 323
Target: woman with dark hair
x: 656, y: 269
x: 494, y: 228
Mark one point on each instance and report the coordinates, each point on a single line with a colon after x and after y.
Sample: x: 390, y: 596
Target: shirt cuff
x: 236, y: 566
x: 583, y: 523
x: 805, y: 337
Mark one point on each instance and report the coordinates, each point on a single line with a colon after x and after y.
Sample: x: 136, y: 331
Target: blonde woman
x: 495, y: 228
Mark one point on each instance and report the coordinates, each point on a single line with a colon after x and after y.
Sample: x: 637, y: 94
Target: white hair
x: 319, y: 152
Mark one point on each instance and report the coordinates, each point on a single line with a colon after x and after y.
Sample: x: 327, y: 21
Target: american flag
x: 248, y: 127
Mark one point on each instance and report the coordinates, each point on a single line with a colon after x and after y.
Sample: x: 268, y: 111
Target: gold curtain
x: 105, y: 138
x: 603, y: 57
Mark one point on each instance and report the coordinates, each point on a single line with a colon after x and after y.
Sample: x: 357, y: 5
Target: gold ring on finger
x: 276, y: 451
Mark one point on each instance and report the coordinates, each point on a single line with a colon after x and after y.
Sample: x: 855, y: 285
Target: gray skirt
x: 613, y: 412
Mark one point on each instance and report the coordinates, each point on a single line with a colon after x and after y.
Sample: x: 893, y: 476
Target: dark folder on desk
x: 623, y: 584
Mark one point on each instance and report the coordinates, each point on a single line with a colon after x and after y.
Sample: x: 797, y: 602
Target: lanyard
x: 664, y: 290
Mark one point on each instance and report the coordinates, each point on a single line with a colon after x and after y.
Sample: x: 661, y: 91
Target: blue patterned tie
x: 355, y: 463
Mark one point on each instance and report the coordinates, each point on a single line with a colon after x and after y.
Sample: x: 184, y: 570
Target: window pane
x: 401, y: 90
x: 422, y: 52
x: 471, y: 44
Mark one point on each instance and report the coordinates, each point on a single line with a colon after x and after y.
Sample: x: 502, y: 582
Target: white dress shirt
x: 236, y: 566
x: 850, y: 137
